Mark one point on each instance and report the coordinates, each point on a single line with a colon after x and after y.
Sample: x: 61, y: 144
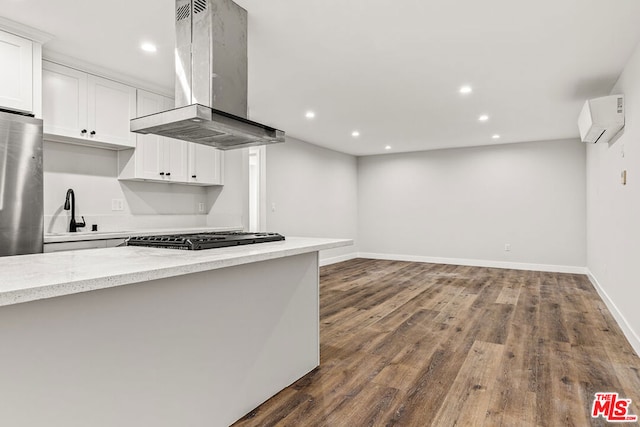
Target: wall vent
x: 199, y: 6
x: 182, y: 12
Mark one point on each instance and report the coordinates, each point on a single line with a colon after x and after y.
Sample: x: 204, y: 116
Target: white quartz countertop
x: 38, y: 276
x: 100, y: 235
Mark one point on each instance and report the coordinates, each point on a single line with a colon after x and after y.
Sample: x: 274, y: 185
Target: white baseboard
x: 335, y: 259
x: 479, y: 263
x: 628, y: 331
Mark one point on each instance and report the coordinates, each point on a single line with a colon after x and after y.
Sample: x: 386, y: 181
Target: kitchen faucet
x: 73, y: 225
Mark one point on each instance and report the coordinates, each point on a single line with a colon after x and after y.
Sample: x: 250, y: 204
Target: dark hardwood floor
x: 417, y: 344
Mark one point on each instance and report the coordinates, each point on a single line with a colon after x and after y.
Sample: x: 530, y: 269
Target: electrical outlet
x: 507, y: 247
x: 117, y: 204
x: 201, y: 207
x: 273, y: 207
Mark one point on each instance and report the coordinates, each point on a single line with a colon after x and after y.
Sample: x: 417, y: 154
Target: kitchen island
x: 155, y: 337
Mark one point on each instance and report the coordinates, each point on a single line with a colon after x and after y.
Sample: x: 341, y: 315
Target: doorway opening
x: 257, y: 189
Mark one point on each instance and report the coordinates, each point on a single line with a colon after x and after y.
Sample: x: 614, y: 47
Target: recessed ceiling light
x: 355, y: 134
x: 388, y: 147
x: 310, y: 115
x: 465, y: 89
x: 496, y: 136
x: 483, y: 118
x: 148, y: 47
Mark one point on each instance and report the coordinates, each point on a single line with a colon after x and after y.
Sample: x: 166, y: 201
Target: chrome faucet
x: 73, y: 225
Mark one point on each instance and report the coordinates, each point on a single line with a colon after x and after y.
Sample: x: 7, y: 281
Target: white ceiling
x: 390, y: 69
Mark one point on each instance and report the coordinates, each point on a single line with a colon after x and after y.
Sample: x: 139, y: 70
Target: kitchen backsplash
x: 125, y: 205
x: 60, y: 223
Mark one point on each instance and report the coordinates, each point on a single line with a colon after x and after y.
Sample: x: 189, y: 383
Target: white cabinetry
x: 64, y: 100
x: 83, y: 244
x: 16, y: 73
x: 206, y: 165
x: 163, y: 159
x: 155, y: 158
x: 84, y: 109
x: 110, y: 107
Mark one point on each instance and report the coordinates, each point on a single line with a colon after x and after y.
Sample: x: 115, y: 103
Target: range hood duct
x: 211, y: 80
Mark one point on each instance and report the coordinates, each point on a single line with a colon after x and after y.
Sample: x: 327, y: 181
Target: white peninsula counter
x: 155, y: 337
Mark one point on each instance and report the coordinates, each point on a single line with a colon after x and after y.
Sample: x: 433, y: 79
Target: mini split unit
x: 601, y: 119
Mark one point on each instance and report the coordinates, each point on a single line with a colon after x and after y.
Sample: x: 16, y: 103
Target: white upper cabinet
x: 64, y: 100
x: 149, y: 154
x: 205, y: 165
x: 84, y: 109
x: 110, y: 107
x: 16, y: 73
x: 155, y: 158
x: 175, y: 152
x: 175, y: 160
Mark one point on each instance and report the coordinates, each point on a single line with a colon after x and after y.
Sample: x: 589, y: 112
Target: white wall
x: 464, y: 205
x: 314, y: 191
x: 613, y: 210
x: 92, y: 174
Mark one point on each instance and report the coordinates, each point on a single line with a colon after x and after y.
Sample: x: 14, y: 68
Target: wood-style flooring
x: 417, y: 344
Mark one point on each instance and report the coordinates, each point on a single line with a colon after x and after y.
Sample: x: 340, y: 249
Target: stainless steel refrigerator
x: 21, y: 201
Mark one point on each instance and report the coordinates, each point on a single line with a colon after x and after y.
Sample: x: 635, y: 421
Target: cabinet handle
x: 193, y: 176
x: 161, y: 173
x: 83, y: 131
x: 93, y: 132
x: 168, y: 173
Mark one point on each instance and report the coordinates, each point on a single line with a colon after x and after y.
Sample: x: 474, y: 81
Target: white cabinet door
x: 205, y: 165
x: 16, y: 73
x: 112, y: 243
x: 83, y: 244
x: 175, y: 153
x: 64, y: 101
x: 149, y: 154
x: 110, y: 107
x: 74, y: 246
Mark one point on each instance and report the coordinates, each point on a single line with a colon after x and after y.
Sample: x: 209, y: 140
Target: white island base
x: 200, y: 349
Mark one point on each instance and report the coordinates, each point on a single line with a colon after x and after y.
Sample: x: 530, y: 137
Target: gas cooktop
x: 199, y: 241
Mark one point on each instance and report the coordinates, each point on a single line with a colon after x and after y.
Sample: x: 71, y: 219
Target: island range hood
x: 211, y: 80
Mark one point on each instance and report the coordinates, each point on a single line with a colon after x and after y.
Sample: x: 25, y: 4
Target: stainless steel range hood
x: 211, y: 80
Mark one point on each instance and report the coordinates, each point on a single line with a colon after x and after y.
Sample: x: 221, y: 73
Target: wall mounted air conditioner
x: 601, y: 118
